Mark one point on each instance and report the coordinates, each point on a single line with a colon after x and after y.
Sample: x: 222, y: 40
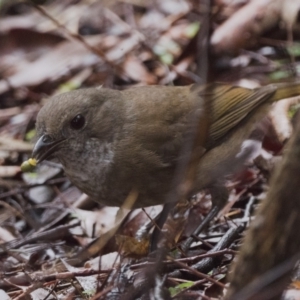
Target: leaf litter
x: 138, y: 43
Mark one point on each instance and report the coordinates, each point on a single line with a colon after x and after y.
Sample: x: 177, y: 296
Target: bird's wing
x: 230, y: 105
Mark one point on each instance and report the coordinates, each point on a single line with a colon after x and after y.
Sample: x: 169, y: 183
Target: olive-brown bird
x: 110, y: 141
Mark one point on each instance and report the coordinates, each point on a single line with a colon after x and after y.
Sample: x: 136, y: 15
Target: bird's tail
x: 285, y: 90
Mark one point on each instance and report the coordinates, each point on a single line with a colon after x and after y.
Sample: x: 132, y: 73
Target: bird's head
x: 69, y: 122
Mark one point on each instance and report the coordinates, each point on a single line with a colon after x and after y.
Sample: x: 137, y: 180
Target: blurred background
x: 54, y: 46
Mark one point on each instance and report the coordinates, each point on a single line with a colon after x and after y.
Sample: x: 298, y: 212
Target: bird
x: 111, y: 141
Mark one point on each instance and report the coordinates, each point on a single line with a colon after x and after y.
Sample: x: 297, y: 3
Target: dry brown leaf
x: 96, y: 223
x: 296, y: 284
x: 132, y: 247
x: 88, y: 283
x: 9, y: 144
x: 175, y: 224
x: 24, y: 21
x: 9, y: 171
x: 4, y: 296
x: 6, y: 236
x: 64, y: 58
x: 292, y: 294
x: 246, y: 25
x: 174, y: 7
x: 105, y: 262
x: 7, y: 113
x: 122, y: 48
x: 289, y: 11
x: 136, y: 70
x: 280, y: 120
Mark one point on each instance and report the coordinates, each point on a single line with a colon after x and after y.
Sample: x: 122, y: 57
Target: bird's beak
x: 44, y: 147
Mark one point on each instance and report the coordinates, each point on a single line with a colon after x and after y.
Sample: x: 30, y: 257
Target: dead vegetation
x: 49, y: 231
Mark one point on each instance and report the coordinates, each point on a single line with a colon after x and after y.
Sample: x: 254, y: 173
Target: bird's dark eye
x: 78, y: 122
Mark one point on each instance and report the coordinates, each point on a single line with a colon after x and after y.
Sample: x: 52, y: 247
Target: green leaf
x: 293, y: 109
x: 68, y: 86
x: 180, y: 287
x: 280, y: 74
x: 294, y: 49
x: 32, y: 175
x: 167, y: 58
x: 30, y: 135
x: 166, y: 49
x: 89, y: 293
x: 192, y: 29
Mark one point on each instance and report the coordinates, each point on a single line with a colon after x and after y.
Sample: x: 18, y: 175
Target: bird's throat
x: 88, y: 167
